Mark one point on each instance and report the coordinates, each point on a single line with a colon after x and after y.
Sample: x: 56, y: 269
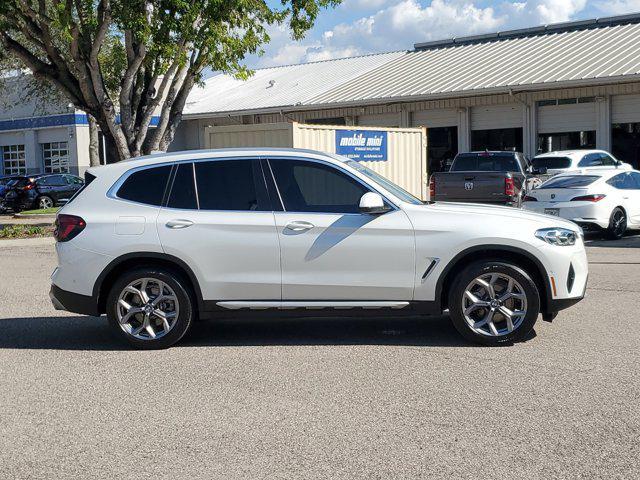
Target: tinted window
x: 607, y: 160
x: 576, y: 181
x: 231, y: 185
x: 591, y: 160
x: 636, y: 180
x: 52, y: 180
x: 485, y: 162
x: 146, y: 186
x: 619, y: 181
x: 314, y: 187
x: 551, y: 162
x: 183, y: 191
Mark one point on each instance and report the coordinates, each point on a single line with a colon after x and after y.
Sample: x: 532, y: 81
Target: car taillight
x: 432, y: 187
x: 527, y: 198
x: 29, y: 186
x: 589, y: 198
x: 509, y: 187
x: 68, y: 227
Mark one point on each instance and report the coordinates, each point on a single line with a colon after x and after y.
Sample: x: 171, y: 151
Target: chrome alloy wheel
x: 147, y: 309
x: 494, y: 304
x: 45, y: 202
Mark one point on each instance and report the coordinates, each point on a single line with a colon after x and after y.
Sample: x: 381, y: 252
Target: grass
x: 24, y: 231
x: 41, y: 211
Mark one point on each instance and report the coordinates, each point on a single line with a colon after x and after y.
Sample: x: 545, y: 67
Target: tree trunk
x: 111, y: 150
x: 94, y: 144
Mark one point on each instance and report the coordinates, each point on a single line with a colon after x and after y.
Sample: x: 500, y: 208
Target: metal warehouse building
x: 571, y: 85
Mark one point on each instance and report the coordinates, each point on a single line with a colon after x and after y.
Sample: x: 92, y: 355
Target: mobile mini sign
x: 362, y: 145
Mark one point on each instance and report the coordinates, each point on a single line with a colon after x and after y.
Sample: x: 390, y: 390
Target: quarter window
x: 231, y: 185
x: 314, y: 187
x: 146, y: 186
x: 55, y: 156
x: 13, y: 160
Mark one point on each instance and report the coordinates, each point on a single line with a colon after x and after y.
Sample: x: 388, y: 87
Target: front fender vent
x: 571, y: 278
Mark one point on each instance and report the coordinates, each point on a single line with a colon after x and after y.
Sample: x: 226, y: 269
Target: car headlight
x: 562, y: 237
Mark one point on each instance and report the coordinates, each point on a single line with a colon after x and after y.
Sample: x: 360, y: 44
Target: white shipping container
x: 405, y: 164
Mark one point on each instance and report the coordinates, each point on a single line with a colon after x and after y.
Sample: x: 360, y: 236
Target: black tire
x: 526, y: 322
x: 183, y: 293
x: 617, y: 224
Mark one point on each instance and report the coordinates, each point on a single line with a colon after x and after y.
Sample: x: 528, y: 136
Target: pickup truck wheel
x: 494, y: 303
x: 150, y: 308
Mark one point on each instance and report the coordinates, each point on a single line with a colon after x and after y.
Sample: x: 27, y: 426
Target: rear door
x: 218, y: 219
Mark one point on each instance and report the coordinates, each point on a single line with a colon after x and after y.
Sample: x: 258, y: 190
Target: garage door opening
x: 501, y: 139
x: 552, y: 142
x: 442, y: 147
x: 626, y: 142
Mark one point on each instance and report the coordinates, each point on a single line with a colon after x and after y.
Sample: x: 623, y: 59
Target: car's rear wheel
x: 493, y: 303
x: 617, y: 224
x: 150, y: 308
x: 45, y: 202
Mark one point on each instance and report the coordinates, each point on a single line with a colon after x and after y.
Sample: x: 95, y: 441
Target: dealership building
x: 554, y: 87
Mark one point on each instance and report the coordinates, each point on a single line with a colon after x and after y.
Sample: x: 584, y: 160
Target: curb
x: 27, y: 242
x: 42, y: 216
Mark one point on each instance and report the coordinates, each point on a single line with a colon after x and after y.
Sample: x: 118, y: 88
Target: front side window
x: 607, y: 161
x: 398, y: 191
x: 591, y: 160
x: 55, y: 156
x: 146, y: 186
x: 236, y: 185
x: 314, y: 187
x: 14, y: 160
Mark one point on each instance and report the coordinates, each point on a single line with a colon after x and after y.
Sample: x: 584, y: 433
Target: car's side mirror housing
x: 373, y: 204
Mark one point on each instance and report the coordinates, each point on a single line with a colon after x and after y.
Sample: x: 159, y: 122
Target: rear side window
x: 231, y: 185
x: 574, y: 181
x: 623, y: 181
x: 485, y: 162
x: 183, y: 191
x: 551, y: 162
x: 146, y: 186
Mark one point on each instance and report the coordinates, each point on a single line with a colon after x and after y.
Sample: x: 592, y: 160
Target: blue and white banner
x: 362, y: 145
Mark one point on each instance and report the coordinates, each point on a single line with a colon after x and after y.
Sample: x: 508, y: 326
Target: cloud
x: 617, y: 7
x: 398, y: 24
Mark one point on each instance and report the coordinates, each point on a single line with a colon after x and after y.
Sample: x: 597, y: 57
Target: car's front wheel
x: 494, y: 302
x: 150, y: 308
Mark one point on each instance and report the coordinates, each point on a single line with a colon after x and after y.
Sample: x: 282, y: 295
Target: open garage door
x: 497, y: 127
x: 625, y: 128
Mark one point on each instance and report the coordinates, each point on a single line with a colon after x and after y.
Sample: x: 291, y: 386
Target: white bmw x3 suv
x: 161, y: 241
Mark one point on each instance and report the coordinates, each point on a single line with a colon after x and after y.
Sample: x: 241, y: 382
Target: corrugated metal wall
x: 567, y: 118
x: 240, y: 136
x: 625, y: 109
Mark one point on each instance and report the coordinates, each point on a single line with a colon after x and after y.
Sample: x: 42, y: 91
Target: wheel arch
x: 145, y: 259
x: 520, y: 257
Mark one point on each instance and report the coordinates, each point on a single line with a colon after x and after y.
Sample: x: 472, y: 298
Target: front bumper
x: 73, y: 302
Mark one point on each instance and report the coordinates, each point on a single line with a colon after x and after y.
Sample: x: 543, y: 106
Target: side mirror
x: 373, y: 204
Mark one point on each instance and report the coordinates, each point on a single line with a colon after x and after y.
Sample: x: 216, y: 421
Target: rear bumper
x: 73, y: 302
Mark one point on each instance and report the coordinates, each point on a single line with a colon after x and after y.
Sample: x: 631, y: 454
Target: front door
x: 329, y: 250
x: 218, y: 220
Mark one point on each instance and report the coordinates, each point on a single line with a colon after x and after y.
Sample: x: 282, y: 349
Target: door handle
x: 176, y: 224
x: 626, y: 198
x: 299, y: 226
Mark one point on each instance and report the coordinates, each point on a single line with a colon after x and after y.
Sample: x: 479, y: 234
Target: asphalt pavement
x: 320, y: 399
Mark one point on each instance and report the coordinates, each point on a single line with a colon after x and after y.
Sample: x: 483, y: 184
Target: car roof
x: 569, y: 153
x: 605, y: 173
x: 240, y: 153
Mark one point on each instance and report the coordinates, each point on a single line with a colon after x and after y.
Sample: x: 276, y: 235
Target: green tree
x: 124, y: 61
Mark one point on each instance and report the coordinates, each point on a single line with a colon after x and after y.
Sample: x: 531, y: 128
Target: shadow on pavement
x: 92, y: 333
x: 629, y: 241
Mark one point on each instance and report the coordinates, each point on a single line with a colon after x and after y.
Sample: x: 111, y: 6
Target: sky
x: 358, y: 27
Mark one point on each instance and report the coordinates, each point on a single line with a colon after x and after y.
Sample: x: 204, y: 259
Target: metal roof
x: 271, y: 88
x: 557, y: 58
x: 569, y: 54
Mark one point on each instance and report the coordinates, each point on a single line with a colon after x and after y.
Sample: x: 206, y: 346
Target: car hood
x: 480, y: 212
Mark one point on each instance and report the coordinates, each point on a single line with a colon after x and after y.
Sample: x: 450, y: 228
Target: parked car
x: 483, y: 177
x: 603, y: 200
x: 41, y: 191
x: 4, y: 182
x: 161, y: 241
x: 554, y: 163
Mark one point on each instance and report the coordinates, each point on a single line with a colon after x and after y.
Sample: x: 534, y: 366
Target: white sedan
x: 597, y: 200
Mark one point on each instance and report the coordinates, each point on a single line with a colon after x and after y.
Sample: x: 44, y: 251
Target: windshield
x: 551, y: 162
x: 399, y: 192
x: 574, y: 181
x: 485, y: 162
